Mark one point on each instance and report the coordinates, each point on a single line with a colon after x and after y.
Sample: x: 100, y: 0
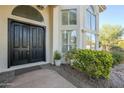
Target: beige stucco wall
x: 5, y: 13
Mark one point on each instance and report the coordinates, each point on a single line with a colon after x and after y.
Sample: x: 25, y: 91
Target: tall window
x: 90, y: 19
x: 69, y: 38
x: 90, y: 24
x: 69, y: 17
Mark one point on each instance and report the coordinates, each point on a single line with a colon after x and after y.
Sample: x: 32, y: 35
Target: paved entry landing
x: 43, y: 78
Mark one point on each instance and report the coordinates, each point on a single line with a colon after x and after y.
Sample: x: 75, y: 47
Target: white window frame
x: 90, y: 35
x: 90, y: 30
x: 68, y: 40
x: 68, y: 22
x: 92, y: 13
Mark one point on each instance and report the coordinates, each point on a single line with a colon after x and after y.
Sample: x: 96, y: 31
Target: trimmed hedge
x: 69, y: 55
x: 96, y: 64
x: 117, y: 54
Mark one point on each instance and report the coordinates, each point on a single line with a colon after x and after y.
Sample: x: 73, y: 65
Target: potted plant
x: 57, y: 58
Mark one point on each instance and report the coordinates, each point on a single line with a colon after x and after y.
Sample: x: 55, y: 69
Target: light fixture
x: 41, y: 7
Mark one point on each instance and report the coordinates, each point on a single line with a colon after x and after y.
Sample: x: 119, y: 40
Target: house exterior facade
x: 31, y: 33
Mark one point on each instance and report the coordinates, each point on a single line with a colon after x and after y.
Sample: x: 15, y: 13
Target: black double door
x: 26, y: 43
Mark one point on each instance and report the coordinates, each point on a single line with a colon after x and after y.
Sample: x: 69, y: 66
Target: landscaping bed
x: 81, y: 80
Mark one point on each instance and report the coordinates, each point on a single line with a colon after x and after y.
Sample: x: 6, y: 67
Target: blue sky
x: 114, y: 14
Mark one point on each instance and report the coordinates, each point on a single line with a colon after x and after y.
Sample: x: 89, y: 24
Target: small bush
x: 69, y: 55
x: 57, y: 55
x: 117, y: 54
x: 118, y: 57
x: 96, y: 64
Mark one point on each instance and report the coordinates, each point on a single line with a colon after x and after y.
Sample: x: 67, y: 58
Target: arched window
x: 90, y: 20
x: 27, y: 11
x: 90, y: 9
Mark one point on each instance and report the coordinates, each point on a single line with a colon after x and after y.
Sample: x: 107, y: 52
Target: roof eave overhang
x: 41, y: 7
x: 101, y: 8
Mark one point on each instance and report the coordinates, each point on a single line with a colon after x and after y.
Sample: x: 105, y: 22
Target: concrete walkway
x: 43, y: 78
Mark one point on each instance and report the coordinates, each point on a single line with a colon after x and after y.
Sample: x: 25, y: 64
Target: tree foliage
x: 109, y: 35
x: 121, y: 43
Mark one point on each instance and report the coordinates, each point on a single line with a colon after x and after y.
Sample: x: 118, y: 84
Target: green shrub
x: 117, y: 54
x: 118, y: 57
x: 69, y: 55
x: 57, y: 55
x: 96, y: 64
